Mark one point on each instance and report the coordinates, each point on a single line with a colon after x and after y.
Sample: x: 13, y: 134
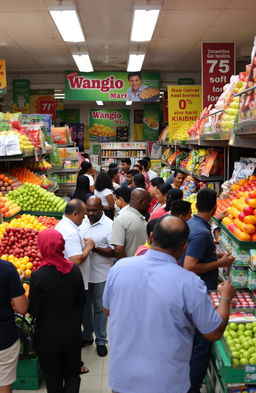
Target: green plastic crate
x: 241, y: 244
x: 29, y: 376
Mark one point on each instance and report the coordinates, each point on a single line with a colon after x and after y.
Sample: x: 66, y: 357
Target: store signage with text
x: 218, y: 65
x: 20, y: 95
x: 184, y: 106
x: 3, y: 83
x: 105, y: 124
x: 43, y: 102
x: 112, y: 86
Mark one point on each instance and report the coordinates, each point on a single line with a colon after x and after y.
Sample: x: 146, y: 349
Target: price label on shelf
x: 218, y: 65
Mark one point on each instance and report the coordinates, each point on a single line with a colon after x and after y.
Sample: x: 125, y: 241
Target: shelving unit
x: 118, y: 150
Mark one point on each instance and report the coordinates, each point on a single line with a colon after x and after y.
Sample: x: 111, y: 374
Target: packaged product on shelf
x: 37, y: 118
x: 2, y: 144
x: 251, y: 279
x: 253, y: 259
x: 189, y: 187
x: 55, y: 158
x: 60, y: 135
x: 239, y: 276
x: 71, y: 153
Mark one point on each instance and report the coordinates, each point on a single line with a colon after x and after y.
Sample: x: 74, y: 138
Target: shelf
x: 65, y: 170
x: 128, y: 148
x: 215, y: 136
x: 52, y: 189
x: 202, y: 178
x: 244, y: 91
x: 67, y: 145
x: 19, y: 157
x: 61, y: 185
x: 119, y: 157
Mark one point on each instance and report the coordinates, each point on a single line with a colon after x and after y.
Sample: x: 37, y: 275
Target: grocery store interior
x: 68, y: 94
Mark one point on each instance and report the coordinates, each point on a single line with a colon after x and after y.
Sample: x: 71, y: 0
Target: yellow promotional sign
x: 3, y: 84
x: 184, y: 108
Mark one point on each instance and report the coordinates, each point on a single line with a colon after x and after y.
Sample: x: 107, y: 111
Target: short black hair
x: 164, y: 188
x: 137, y: 166
x: 112, y: 165
x: 73, y: 206
x: 130, y: 74
x: 169, y: 239
x: 147, y: 158
x: 143, y: 163
x: 177, y: 171
x: 139, y: 180
x: 180, y: 207
x: 85, y: 167
x: 127, y: 161
x: 103, y: 181
x: 206, y: 200
x: 174, y: 194
x: 151, y: 225
x: 133, y: 172
x: 123, y: 192
x: 156, y: 181
x: 113, y: 172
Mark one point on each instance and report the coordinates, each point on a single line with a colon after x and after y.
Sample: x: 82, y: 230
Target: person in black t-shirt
x: 11, y: 298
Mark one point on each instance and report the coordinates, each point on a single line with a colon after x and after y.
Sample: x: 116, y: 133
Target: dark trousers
x: 200, y: 357
x: 61, y: 370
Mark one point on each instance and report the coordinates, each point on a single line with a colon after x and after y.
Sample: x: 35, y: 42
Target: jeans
x: 199, y: 361
x: 61, y: 370
x: 94, y: 319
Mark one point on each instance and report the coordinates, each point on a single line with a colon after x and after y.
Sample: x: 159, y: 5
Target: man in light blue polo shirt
x: 154, y: 307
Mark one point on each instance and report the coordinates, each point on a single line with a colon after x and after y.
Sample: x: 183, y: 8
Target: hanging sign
x: 3, y: 83
x: 112, y: 86
x: 43, y: 102
x: 218, y: 65
x: 184, y: 107
x: 151, y: 120
x: 105, y: 122
x: 20, y: 95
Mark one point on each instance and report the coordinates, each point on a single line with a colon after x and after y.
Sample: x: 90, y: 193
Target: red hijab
x: 51, y: 245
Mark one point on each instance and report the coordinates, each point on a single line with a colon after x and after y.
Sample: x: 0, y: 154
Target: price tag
x: 250, y: 374
x: 218, y: 65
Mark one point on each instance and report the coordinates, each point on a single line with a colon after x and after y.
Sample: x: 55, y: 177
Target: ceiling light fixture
x: 99, y: 103
x: 135, y: 62
x: 67, y: 22
x: 144, y: 23
x: 83, y: 62
x: 128, y: 102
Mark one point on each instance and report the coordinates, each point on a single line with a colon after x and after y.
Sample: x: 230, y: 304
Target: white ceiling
x: 30, y: 42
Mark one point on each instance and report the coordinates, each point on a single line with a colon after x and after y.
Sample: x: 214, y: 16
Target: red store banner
x: 218, y: 65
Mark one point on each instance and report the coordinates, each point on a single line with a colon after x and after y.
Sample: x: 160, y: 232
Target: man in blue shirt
x: 154, y: 306
x: 201, y: 258
x: 135, y: 80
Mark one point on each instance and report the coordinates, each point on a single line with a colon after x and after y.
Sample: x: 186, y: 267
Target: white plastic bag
x: 12, y: 144
x: 2, y: 144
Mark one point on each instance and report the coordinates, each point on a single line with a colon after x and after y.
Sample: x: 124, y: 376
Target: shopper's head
x: 144, y: 164
x: 75, y: 211
x: 150, y: 227
x: 94, y: 209
x: 126, y: 164
x: 86, y: 168
x: 123, y: 196
x: 114, y: 174
x: 82, y: 187
x: 148, y: 160
x: 103, y: 181
x: 174, y: 194
x: 51, y: 244
x: 139, y: 181
x: 113, y: 165
x: 206, y: 201
x: 178, y: 178
x: 161, y: 192
x: 153, y: 185
x: 130, y: 177
x: 181, y: 209
x: 140, y: 199
x: 137, y: 167
x: 170, y: 236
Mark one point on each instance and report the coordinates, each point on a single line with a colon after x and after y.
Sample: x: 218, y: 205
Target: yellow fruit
x: 28, y: 273
x: 29, y: 265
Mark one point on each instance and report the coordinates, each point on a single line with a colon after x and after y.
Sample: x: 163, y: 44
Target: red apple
x: 241, y: 216
x: 248, y: 211
x: 252, y: 194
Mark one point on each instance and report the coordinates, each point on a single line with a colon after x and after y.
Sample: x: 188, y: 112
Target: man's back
x: 153, y: 304
x: 129, y: 230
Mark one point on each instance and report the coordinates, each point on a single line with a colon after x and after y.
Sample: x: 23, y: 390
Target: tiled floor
x: 96, y: 381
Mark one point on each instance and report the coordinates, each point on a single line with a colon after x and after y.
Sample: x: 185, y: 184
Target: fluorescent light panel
x: 144, y: 23
x: 83, y: 62
x: 67, y: 22
x: 128, y: 102
x: 99, y: 103
x: 135, y: 62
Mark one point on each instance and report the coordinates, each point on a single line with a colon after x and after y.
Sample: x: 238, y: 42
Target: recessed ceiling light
x: 135, y: 62
x: 67, y: 21
x: 144, y: 23
x: 83, y: 62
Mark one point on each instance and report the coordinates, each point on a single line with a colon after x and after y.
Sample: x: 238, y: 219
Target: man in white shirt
x: 76, y: 249
x: 98, y: 227
x: 151, y: 174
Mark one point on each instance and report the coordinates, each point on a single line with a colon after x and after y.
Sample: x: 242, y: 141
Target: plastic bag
x: 12, y: 144
x: 2, y: 144
x: 55, y: 158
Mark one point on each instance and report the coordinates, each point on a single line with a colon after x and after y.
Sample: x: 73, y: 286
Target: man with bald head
x: 154, y: 306
x: 98, y: 227
x: 129, y: 228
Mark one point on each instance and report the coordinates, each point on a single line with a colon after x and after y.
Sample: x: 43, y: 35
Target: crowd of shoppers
x: 126, y: 247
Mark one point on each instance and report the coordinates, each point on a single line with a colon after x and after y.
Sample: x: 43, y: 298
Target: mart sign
x: 111, y: 86
x: 218, y: 65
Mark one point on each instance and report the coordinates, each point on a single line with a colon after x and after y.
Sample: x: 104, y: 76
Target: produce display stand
x: 57, y: 215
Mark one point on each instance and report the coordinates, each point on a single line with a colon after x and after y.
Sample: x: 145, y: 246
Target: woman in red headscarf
x: 57, y: 300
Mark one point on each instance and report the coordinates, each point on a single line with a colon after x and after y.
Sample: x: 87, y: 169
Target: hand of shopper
x: 221, y: 215
x: 89, y: 243
x: 226, y: 260
x: 22, y: 275
x: 226, y: 290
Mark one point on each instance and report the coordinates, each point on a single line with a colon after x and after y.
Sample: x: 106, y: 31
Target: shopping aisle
x: 93, y: 382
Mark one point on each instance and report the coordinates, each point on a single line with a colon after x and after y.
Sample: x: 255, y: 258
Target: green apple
x: 248, y: 333
x: 243, y: 361
x: 233, y: 326
x: 236, y: 362
x: 248, y: 326
x: 241, y: 326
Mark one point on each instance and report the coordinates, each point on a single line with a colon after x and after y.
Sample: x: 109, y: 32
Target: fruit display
x: 26, y: 176
x: 8, y: 208
x: 8, y: 182
x: 41, y: 165
x: 33, y: 197
x: 192, y: 200
x: 22, y: 264
x: 182, y: 133
x: 26, y: 288
x: 243, y: 299
x: 241, y: 340
x: 205, y: 162
x: 49, y: 222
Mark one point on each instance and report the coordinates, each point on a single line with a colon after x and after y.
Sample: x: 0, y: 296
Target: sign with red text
x: 218, y: 65
x: 43, y: 102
